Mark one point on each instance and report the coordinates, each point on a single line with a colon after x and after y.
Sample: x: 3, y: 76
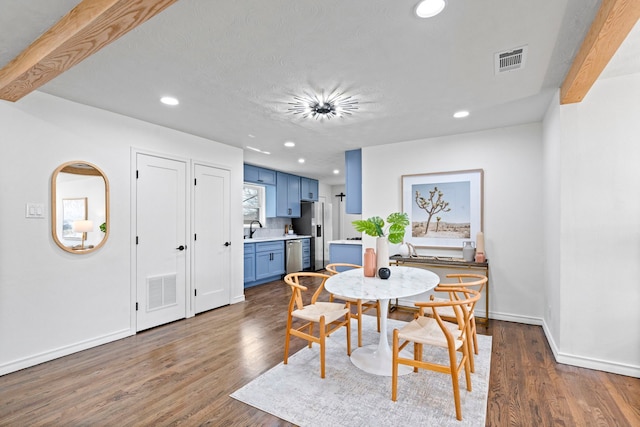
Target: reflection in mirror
x: 79, y: 207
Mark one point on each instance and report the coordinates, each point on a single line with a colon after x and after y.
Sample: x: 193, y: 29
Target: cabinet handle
x: 227, y: 243
x: 289, y: 210
x: 181, y: 248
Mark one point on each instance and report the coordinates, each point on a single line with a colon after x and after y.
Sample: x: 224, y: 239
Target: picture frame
x: 444, y: 208
x: 73, y: 210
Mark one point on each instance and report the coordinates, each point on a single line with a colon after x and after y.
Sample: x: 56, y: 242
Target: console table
x: 450, y: 263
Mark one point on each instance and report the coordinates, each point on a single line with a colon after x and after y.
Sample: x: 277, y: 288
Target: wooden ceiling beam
x: 86, y: 29
x: 613, y: 22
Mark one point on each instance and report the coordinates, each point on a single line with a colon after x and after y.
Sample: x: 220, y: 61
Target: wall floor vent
x: 161, y: 291
x: 511, y: 60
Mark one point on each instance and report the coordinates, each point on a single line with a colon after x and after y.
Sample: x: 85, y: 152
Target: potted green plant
x: 375, y: 227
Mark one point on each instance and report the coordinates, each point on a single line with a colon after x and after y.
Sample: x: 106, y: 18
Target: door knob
x: 181, y: 248
x: 227, y: 243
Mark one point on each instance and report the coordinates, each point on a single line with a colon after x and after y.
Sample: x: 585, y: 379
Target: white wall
x: 342, y: 227
x: 551, y: 208
x: 52, y: 302
x: 593, y: 314
x: 511, y: 160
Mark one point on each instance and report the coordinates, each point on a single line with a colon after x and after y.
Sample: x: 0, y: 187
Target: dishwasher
x: 294, y: 256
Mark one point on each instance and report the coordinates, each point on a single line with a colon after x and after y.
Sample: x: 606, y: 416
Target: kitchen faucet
x: 251, y: 230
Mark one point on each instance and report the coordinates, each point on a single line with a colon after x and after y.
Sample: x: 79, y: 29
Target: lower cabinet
x: 249, y: 262
x: 349, y: 253
x: 268, y: 263
x: 269, y: 259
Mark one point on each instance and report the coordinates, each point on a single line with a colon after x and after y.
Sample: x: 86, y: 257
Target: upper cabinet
x: 308, y: 189
x: 259, y: 175
x: 353, y: 184
x: 283, y: 191
x: 287, y: 195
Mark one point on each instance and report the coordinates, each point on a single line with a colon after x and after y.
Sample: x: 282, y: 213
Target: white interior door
x: 161, y: 232
x: 211, y: 258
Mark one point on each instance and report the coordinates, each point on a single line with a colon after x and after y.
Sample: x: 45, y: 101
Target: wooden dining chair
x: 469, y: 281
x: 362, y: 306
x: 435, y: 331
x: 329, y: 316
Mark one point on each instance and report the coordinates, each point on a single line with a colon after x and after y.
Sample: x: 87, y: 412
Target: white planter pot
x: 382, y: 252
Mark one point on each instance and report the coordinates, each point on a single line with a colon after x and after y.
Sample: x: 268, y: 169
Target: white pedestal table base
x: 377, y: 359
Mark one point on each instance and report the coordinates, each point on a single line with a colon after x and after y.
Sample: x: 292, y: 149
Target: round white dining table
x: 403, y: 282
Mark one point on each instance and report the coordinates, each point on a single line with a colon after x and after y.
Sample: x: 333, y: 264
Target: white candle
x: 480, y: 242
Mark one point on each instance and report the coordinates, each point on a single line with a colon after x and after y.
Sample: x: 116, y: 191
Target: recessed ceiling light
x: 336, y: 171
x: 429, y: 8
x: 251, y: 136
x: 460, y: 114
x: 289, y: 144
x: 169, y: 100
x: 300, y: 160
x: 258, y: 150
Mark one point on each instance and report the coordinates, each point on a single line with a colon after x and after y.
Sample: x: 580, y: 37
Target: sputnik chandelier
x: 319, y: 106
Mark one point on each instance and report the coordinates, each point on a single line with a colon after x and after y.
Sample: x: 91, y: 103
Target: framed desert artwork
x: 445, y: 209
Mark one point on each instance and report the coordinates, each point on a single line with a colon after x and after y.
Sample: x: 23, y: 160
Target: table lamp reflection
x: 82, y: 226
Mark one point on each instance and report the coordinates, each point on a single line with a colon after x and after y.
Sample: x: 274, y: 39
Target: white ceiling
x: 236, y: 65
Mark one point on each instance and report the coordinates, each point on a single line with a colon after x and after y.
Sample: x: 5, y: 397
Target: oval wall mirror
x: 79, y: 207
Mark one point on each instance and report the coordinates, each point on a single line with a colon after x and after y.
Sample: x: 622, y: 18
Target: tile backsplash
x: 274, y: 227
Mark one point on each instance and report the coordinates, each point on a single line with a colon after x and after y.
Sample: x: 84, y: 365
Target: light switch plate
x: 34, y: 210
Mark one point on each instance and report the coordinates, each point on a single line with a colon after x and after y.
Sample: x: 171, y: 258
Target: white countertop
x: 276, y: 238
x: 346, y: 242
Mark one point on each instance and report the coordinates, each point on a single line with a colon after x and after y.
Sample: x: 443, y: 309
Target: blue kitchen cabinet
x: 269, y: 260
x: 353, y: 181
x: 287, y: 195
x: 249, y: 262
x: 308, y: 189
x: 345, y: 252
x: 259, y: 175
x: 263, y: 262
x: 270, y: 202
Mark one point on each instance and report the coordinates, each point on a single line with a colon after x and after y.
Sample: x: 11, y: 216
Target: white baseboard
x: 589, y: 362
x: 239, y: 298
x: 510, y: 317
x: 16, y: 365
x: 507, y: 317
x: 560, y: 357
x: 46, y: 356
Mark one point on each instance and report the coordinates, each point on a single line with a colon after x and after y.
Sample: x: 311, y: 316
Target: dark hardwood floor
x: 183, y: 373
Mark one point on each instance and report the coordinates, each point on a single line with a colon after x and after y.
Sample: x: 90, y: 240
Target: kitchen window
x: 254, y: 204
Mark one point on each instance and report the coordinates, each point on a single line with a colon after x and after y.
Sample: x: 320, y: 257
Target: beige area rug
x: 349, y: 396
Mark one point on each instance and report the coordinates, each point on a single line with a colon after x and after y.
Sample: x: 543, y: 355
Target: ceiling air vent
x: 510, y: 60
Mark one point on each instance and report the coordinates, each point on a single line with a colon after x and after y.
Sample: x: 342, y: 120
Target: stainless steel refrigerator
x: 313, y: 217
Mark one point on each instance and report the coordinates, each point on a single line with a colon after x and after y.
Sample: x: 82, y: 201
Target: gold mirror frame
x: 76, y: 205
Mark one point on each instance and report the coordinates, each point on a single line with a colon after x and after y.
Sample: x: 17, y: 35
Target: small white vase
x: 403, y: 249
x: 468, y: 251
x: 382, y: 252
